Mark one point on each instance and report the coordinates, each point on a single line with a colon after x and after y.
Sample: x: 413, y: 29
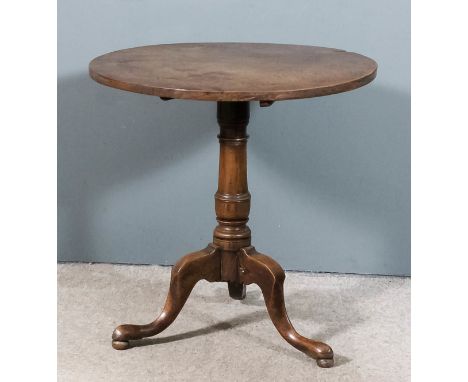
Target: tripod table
x: 231, y: 74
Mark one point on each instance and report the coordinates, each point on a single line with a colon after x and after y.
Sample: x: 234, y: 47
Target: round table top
x: 233, y: 71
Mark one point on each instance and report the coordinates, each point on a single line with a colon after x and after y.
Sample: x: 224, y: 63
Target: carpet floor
x: 366, y: 320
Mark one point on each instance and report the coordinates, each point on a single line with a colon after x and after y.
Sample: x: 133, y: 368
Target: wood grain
x: 233, y: 71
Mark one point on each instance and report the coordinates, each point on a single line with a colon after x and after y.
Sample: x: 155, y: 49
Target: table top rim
x: 235, y: 95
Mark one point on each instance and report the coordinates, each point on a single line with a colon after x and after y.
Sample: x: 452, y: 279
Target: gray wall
x: 329, y: 177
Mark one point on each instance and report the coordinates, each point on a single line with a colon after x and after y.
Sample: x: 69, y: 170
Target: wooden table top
x: 233, y: 71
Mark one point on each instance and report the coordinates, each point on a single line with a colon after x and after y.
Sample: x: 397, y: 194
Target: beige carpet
x: 365, y: 319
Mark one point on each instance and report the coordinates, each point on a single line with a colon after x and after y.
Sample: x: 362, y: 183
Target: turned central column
x: 232, y: 199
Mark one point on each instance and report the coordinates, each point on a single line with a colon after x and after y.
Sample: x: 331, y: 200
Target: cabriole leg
x: 190, y: 269
x: 269, y: 276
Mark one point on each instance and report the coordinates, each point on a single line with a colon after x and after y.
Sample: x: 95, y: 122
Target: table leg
x: 190, y: 269
x: 269, y: 276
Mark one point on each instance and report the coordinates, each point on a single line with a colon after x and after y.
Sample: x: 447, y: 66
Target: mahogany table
x: 232, y: 74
